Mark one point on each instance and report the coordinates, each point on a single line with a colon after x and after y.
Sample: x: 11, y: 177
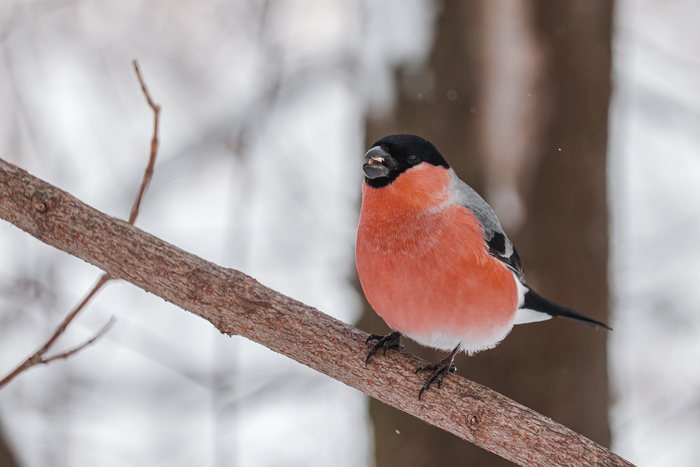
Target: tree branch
x: 148, y: 174
x: 68, y: 353
x: 38, y: 357
x: 237, y: 304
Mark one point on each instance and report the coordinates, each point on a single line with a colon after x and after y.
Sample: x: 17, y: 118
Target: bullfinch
x: 433, y: 260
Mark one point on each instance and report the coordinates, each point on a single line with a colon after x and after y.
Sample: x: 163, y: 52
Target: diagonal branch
x: 237, y: 304
x: 38, y: 357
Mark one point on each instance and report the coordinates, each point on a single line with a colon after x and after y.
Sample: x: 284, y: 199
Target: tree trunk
x: 452, y: 125
x: 557, y: 367
x: 566, y: 242
x: 7, y: 457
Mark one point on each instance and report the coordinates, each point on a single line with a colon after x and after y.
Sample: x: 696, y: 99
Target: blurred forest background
x: 579, y: 121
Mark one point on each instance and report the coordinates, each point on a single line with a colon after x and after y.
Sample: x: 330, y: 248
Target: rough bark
x: 237, y: 304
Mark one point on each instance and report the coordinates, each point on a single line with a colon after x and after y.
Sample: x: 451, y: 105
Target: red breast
x: 424, y: 265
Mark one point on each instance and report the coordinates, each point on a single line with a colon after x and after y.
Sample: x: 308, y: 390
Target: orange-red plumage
x: 424, y: 265
x: 433, y: 259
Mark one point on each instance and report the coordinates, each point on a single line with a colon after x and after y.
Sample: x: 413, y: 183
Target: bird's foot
x: 390, y: 341
x: 439, y: 371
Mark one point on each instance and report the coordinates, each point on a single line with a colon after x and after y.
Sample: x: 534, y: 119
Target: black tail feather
x: 534, y: 301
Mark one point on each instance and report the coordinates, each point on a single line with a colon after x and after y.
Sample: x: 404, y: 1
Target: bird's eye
x: 413, y: 159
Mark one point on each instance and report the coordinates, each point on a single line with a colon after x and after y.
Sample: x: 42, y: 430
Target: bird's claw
x: 439, y: 371
x: 390, y: 341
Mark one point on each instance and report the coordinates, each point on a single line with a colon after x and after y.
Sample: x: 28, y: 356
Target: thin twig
x: 38, y: 357
x: 148, y: 174
x: 74, y: 350
x: 71, y: 316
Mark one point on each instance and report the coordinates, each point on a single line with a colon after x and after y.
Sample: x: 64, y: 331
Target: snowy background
x: 654, y: 186
x: 254, y: 94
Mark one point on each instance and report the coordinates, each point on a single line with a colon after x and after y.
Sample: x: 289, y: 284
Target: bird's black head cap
x: 392, y: 155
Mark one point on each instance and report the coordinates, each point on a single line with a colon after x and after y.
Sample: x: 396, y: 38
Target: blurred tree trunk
x: 557, y: 367
x: 7, y: 458
x: 423, y: 108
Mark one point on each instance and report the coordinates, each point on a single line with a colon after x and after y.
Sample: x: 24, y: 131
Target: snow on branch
x: 237, y: 304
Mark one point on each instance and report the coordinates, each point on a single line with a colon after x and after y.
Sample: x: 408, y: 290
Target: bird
x: 433, y: 260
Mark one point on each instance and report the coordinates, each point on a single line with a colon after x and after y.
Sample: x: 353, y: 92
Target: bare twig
x: 67, y: 353
x: 237, y: 304
x: 38, y: 357
x: 148, y: 174
x: 71, y: 316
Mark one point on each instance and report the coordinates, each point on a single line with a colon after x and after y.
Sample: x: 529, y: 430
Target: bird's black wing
x: 500, y: 247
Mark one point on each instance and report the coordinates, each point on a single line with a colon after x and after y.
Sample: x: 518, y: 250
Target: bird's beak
x: 378, y: 163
